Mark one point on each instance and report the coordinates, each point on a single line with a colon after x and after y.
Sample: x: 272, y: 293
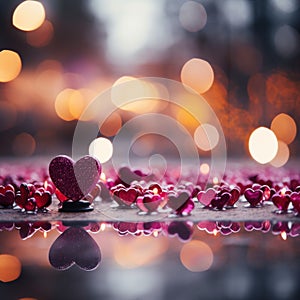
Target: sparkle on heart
x: 75, y: 180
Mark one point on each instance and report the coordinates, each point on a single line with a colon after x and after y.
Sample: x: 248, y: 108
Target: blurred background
x: 242, y: 56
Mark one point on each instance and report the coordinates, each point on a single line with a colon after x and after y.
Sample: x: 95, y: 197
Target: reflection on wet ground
x: 154, y: 260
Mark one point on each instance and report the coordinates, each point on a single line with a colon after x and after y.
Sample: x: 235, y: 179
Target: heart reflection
x: 75, y: 246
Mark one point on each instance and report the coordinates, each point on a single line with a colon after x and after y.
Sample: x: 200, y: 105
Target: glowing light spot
x: 24, y: 144
x: 111, y: 125
x: 215, y: 180
x: 204, y: 169
x: 101, y: 148
x: 27, y: 299
x: 45, y: 234
x: 282, y: 192
x: 196, y: 256
x: 155, y: 233
x: 103, y: 177
x: 263, y: 145
x: 10, y: 268
x: 283, y: 235
x: 76, y: 104
x: 284, y: 127
x: 10, y: 65
x: 198, y: 75
x: 206, y: 137
x: 215, y: 232
x: 282, y: 155
x: 155, y: 190
x: 135, y: 95
x: 29, y: 15
x: 41, y: 36
x: 287, y: 6
x: 102, y: 227
x: 192, y: 16
x: 186, y: 119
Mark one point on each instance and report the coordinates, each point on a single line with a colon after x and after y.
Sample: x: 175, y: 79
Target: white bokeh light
x: 102, y: 149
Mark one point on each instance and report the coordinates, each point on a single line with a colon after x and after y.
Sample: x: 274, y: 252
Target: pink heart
x: 75, y: 180
x: 205, y: 197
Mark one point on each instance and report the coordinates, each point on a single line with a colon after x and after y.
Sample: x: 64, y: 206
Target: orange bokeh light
x: 10, y: 65
x: 24, y: 144
x: 41, y: 36
x: 10, y: 268
x: 282, y: 155
x: 198, y: 75
x: 111, y: 125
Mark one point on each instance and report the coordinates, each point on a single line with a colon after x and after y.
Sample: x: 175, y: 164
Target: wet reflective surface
x: 157, y: 260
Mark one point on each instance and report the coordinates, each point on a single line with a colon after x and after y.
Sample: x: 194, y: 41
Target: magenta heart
x: 148, y: 202
x: 208, y: 226
x: 295, y: 198
x: 281, y: 201
x: 220, y: 201
x: 42, y: 199
x: 253, y: 197
x: 235, y: 195
x: 75, y: 180
x: 205, y: 197
x: 7, y: 199
x: 75, y: 246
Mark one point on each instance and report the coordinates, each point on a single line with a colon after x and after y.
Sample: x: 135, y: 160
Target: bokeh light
x: 29, y: 15
x: 263, y: 145
x: 204, y: 168
x: 10, y: 268
x: 111, y: 125
x: 10, y: 65
x: 24, y: 144
x: 192, y: 16
x: 206, y: 137
x: 196, y: 256
x: 282, y: 155
x: 284, y: 127
x: 41, y: 36
x: 198, y: 75
x: 101, y: 148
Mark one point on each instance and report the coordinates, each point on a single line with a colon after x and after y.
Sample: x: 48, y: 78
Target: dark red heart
x: 42, y: 199
x: 75, y: 180
x: 281, y: 201
x: 253, y: 197
x: 25, y: 192
x: 235, y: 195
x: 75, y: 246
x: 205, y: 197
x: 295, y: 198
x: 7, y: 199
x: 220, y: 201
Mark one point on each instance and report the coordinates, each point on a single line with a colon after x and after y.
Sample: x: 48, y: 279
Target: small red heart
x: 295, y: 198
x: 235, y: 195
x: 253, y: 197
x: 7, y: 199
x: 42, y: 199
x: 125, y: 196
x: 281, y: 201
x: 23, y: 195
x: 220, y: 201
x: 205, y: 197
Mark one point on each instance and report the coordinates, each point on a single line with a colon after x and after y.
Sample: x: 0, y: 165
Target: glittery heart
x: 205, y: 197
x: 74, y: 180
x: 220, y: 201
x: 125, y: 197
x: 281, y: 201
x: 253, y: 197
x: 74, y: 246
x: 7, y: 199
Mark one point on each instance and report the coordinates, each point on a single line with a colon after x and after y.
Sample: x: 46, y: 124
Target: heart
x: 281, y: 201
x: 125, y: 197
x: 176, y: 201
x: 220, y: 201
x: 42, y: 199
x: 205, y: 197
x: 75, y: 246
x: 148, y: 202
x: 74, y: 180
x: 7, y: 199
x: 253, y: 197
x: 208, y: 226
x: 184, y: 230
x: 295, y: 198
x: 253, y: 225
x: 235, y: 195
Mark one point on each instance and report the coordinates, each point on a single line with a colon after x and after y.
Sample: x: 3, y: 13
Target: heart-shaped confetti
x: 74, y: 180
x: 281, y: 201
x: 254, y: 197
x: 205, y: 197
x: 75, y: 246
x: 220, y: 201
